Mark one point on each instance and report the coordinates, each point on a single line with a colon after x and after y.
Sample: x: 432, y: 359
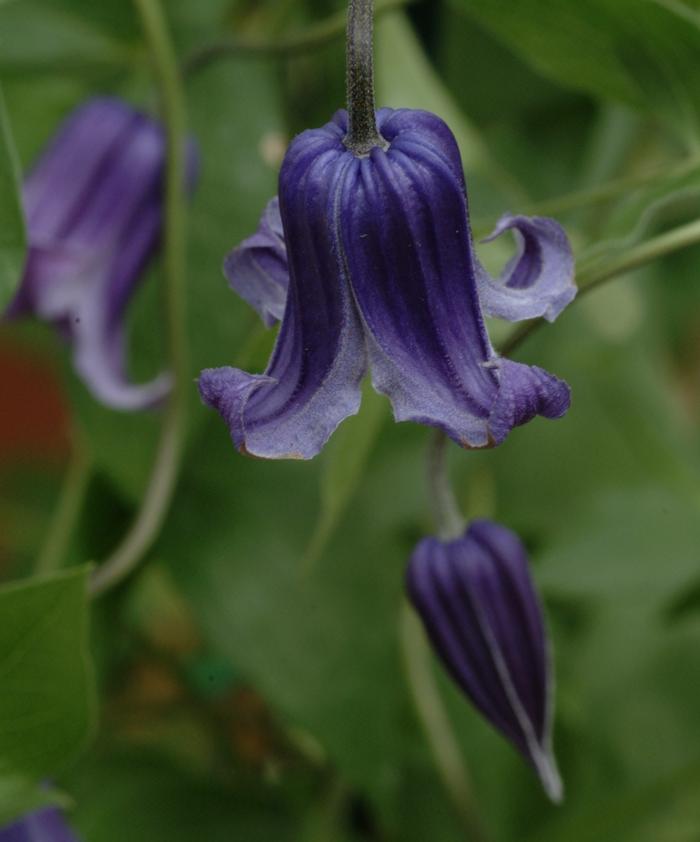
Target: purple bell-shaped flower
x: 373, y: 257
x: 94, y: 209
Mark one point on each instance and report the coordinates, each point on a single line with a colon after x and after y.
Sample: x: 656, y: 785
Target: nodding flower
x: 368, y: 262
x: 482, y: 615
x: 94, y: 209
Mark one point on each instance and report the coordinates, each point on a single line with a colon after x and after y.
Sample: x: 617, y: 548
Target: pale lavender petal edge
x: 539, y: 280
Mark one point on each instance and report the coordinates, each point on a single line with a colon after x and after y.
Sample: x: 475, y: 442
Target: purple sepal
x: 381, y: 271
x: 257, y: 269
x: 539, y: 280
x: 312, y: 381
x: 525, y: 392
x: 94, y: 209
x: 47, y: 825
x: 483, y: 616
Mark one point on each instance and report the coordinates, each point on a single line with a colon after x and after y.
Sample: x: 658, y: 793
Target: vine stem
x: 163, y: 479
x: 443, y: 743
x: 67, y: 511
x: 363, y: 134
x: 448, y: 518
x: 595, y: 273
x: 312, y: 38
x: 600, y: 193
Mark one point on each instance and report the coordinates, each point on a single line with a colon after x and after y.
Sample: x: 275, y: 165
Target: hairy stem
x: 363, y: 134
x: 443, y: 743
x: 163, y: 480
x: 595, y: 273
x: 312, y: 38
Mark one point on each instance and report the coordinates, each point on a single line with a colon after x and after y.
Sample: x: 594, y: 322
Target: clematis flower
x: 381, y: 274
x: 47, y: 825
x: 482, y: 614
x: 94, y: 208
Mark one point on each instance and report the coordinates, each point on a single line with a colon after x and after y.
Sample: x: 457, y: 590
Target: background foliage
x: 249, y: 679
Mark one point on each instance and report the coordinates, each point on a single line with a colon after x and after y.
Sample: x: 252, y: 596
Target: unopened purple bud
x: 484, y: 619
x: 94, y: 210
x: 47, y: 825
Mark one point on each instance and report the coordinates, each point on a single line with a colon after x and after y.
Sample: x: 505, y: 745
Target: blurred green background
x: 250, y: 679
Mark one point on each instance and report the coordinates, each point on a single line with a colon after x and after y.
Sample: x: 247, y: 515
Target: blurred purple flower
x: 482, y: 614
x: 94, y: 209
x: 381, y: 273
x: 47, y: 825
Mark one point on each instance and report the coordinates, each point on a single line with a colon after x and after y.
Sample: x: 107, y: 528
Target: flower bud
x: 483, y: 616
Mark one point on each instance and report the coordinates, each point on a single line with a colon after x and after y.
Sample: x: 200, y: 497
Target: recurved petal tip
x: 524, y: 392
x: 482, y: 614
x: 539, y: 280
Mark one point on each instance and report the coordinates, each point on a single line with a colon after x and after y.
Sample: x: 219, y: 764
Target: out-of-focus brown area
x: 33, y: 432
x: 33, y: 412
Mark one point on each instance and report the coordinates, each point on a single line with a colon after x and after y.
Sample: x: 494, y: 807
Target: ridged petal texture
x: 94, y: 209
x: 46, y: 825
x: 484, y: 619
x: 381, y: 272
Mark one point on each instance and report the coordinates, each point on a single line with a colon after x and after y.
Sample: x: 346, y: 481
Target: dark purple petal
x: 482, y: 614
x: 409, y: 253
x: 539, y: 280
x: 257, y: 269
x: 380, y: 255
x: 47, y: 825
x: 524, y: 392
x: 94, y: 211
x: 313, y: 379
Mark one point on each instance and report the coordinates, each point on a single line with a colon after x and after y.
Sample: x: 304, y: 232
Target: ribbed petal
x: 482, y: 614
x: 94, y: 212
x: 539, y: 280
x: 525, y: 392
x: 407, y: 243
x: 258, y: 270
x: 313, y: 379
x: 46, y: 825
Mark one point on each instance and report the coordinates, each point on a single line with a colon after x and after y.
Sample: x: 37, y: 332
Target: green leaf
x: 46, y: 705
x: 640, y: 53
x: 637, y: 543
x: 345, y: 463
x: 643, y: 211
x: 38, y: 37
x: 321, y: 647
x: 12, y: 234
x: 146, y: 798
x: 406, y: 79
